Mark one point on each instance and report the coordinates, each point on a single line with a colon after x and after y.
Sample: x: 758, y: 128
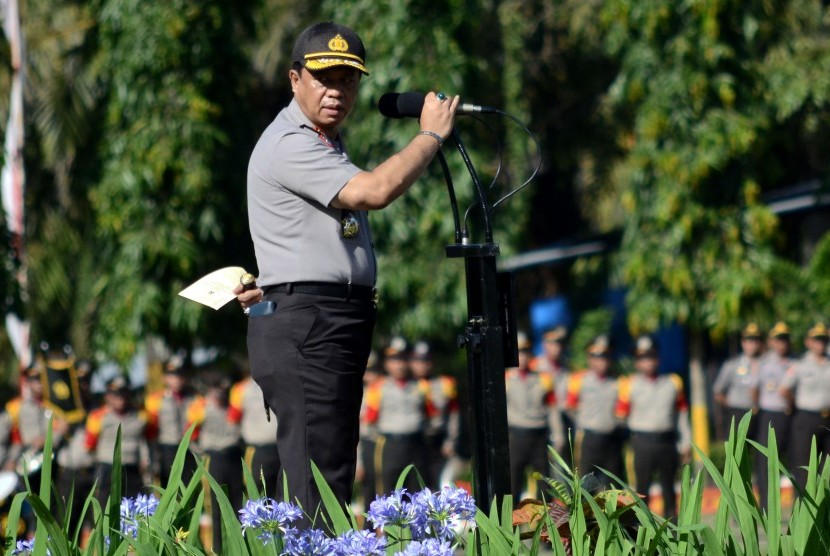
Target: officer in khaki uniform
x: 591, y: 398
x: 400, y: 408
x: 217, y: 437
x: 258, y: 429
x: 655, y: 409
x: 737, y: 378
x: 774, y: 410
x: 76, y: 464
x: 807, y: 384
x: 367, y: 444
x: 101, y: 430
x: 441, y: 435
x: 552, y: 361
x: 531, y: 419
x: 166, y: 412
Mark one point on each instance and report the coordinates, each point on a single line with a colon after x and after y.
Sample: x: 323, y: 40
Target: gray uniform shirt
x: 592, y: 398
x: 809, y: 379
x: 656, y: 405
x: 529, y: 399
x: 402, y: 407
x: 217, y: 432
x: 293, y: 175
x: 103, y: 426
x: 737, y: 379
x: 771, y: 371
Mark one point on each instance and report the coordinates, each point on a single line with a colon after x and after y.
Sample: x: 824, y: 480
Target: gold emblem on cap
x: 339, y: 44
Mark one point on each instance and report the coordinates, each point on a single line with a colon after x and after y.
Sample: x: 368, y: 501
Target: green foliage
x: 700, y: 109
x: 414, y: 46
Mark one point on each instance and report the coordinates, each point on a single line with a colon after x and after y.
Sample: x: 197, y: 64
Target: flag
x: 61, y: 393
x: 12, y: 176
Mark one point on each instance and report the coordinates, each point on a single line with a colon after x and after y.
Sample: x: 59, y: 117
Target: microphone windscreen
x: 401, y: 105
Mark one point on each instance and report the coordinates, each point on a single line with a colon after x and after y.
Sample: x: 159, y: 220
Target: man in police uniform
x: 102, y: 426
x: 442, y: 431
x: 365, y: 474
x: 530, y: 419
x: 217, y: 437
x: 737, y: 378
x: 307, y: 206
x: 774, y: 410
x: 258, y: 428
x: 76, y: 464
x: 591, y: 398
x: 807, y: 384
x: 552, y: 361
x: 400, y: 408
x: 166, y: 412
x: 655, y: 409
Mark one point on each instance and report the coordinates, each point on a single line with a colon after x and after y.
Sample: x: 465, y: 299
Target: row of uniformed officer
x: 807, y: 385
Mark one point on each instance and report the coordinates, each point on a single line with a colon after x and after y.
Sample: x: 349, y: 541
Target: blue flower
x: 391, y: 510
x: 438, y: 514
x: 308, y: 542
x: 24, y: 547
x: 135, y: 512
x: 270, y: 516
x: 428, y: 547
x: 359, y: 543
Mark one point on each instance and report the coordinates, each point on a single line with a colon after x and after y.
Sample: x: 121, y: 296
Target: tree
x: 415, y: 45
x: 175, y: 143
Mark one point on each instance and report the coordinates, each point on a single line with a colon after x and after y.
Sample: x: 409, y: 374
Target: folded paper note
x: 215, y: 289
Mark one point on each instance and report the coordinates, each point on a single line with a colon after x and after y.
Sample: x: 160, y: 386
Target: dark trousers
x: 805, y: 425
x: 780, y: 423
x: 309, y: 357
x: 656, y: 453
x: 167, y: 454
x: 736, y: 414
x: 264, y: 460
x: 528, y: 449
x: 76, y: 483
x: 397, y: 452
x: 434, y: 460
x: 602, y: 450
x: 224, y: 467
x: 131, y: 482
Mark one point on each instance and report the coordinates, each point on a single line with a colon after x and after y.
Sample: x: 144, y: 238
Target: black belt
x: 403, y: 437
x: 524, y: 431
x: 824, y: 413
x: 663, y: 436
x: 328, y: 289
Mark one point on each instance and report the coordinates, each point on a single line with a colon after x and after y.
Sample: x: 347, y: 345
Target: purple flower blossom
x: 308, y: 542
x: 428, y: 547
x: 24, y: 547
x: 436, y: 514
x: 359, y: 543
x: 270, y: 516
x: 135, y: 512
x: 392, y: 510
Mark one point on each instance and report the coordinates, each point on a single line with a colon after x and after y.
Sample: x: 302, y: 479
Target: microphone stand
x: 490, y: 341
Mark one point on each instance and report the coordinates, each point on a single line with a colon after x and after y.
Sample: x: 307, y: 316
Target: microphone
x: 409, y: 105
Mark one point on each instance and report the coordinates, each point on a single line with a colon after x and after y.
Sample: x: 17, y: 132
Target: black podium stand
x: 489, y: 341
